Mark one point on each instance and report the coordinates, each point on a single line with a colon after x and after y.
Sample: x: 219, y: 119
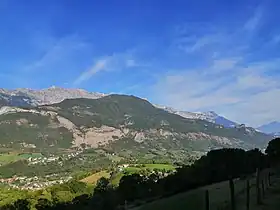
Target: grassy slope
x: 134, y: 169
x: 193, y: 200
x: 7, y: 158
x: 117, y: 110
x: 92, y: 179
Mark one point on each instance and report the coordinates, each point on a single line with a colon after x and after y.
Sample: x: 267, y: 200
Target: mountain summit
x: 30, y: 97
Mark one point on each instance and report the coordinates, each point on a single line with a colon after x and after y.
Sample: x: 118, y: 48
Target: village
x: 44, y: 160
x: 34, y: 183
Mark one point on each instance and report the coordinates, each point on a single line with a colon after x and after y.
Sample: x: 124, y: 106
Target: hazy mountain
x: 210, y: 116
x: 271, y: 128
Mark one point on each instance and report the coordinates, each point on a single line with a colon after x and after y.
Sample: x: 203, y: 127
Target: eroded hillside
x: 119, y: 123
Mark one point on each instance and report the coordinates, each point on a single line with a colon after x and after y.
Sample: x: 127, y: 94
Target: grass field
x: 6, y: 158
x: 160, y: 166
x: 117, y: 179
x: 92, y: 179
x: 195, y: 199
x: 135, y: 169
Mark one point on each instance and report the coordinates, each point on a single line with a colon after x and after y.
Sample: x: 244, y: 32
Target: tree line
x: 216, y: 166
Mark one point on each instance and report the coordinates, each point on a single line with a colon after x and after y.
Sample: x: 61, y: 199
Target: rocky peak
x: 49, y: 95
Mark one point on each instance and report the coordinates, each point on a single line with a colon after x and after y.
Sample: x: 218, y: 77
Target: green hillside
x: 122, y: 111
x: 135, y: 113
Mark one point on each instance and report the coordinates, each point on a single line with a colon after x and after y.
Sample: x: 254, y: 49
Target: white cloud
x: 193, y: 43
x: 245, y: 94
x: 227, y: 78
x: 56, y: 51
x: 98, y: 66
x: 130, y: 63
x: 276, y: 39
x: 225, y: 64
x: 115, y: 62
x: 254, y: 21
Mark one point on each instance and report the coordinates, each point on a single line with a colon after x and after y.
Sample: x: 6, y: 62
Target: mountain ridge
x: 26, y: 97
x: 126, y: 125
x: 46, y: 96
x: 40, y: 100
x: 209, y: 116
x: 271, y: 128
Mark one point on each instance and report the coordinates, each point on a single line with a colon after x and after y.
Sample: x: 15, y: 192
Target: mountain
x: 25, y: 97
x: 210, y: 116
x: 126, y: 125
x: 271, y: 128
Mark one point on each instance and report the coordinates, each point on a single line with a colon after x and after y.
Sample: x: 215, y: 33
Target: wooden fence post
x: 232, y: 194
x: 258, y: 186
x: 125, y: 205
x: 263, y: 190
x: 247, y: 194
x: 269, y: 182
x: 207, y: 202
x: 266, y: 180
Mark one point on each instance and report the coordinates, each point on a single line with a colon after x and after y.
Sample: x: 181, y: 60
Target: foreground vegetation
x: 135, y: 189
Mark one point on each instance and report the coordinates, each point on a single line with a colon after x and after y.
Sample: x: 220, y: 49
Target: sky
x: 192, y: 55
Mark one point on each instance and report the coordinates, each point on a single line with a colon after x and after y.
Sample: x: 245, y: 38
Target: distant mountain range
x: 25, y: 97
x: 210, y: 116
x: 271, y: 128
x: 61, y: 118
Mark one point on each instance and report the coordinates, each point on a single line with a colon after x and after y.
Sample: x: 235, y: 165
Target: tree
x: 102, y: 185
x: 77, y: 187
x: 130, y: 186
x: 83, y: 146
x: 62, y: 196
x: 43, y: 204
x: 273, y: 150
x: 21, y: 204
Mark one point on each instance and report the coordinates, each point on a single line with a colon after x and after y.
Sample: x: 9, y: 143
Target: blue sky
x: 191, y: 55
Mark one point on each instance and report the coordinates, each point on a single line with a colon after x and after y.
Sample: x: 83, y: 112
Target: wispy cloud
x: 276, y: 39
x: 191, y: 44
x: 115, y: 62
x: 236, y: 94
x: 56, y: 51
x: 254, y: 21
x: 229, y: 78
x: 100, y: 65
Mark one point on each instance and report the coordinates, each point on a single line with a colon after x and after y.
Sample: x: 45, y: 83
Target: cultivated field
x: 6, y: 158
x: 92, y: 179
